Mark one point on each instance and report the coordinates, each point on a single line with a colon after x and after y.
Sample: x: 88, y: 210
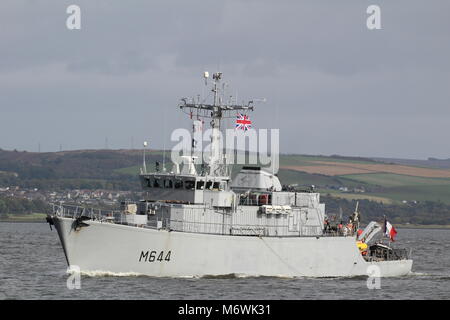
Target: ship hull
x: 114, y: 248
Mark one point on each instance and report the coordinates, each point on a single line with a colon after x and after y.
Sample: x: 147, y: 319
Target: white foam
x: 101, y: 273
x: 412, y: 274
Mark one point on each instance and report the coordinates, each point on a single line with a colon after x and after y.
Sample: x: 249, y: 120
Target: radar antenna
x: 216, y: 112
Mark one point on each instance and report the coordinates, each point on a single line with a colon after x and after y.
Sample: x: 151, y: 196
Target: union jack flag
x: 243, y: 122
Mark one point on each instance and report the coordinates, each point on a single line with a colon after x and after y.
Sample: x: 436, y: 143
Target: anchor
x: 49, y: 219
x: 78, y: 223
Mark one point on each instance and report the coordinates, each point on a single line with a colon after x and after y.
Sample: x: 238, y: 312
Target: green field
x: 389, y: 188
x: 395, y: 180
x: 440, y: 193
x: 307, y: 179
x: 402, y: 187
x: 135, y: 170
x: 302, y: 160
x: 356, y: 196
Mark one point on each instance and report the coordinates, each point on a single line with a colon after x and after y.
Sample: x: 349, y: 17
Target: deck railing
x: 226, y: 228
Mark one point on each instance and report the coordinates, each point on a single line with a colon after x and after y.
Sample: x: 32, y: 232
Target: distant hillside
x: 429, y: 163
x: 369, y: 179
x: 71, y: 169
x: 99, y: 164
x: 339, y: 176
x: 67, y: 164
x: 407, y: 191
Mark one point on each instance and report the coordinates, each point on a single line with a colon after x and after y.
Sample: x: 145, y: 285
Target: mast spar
x: 217, y: 112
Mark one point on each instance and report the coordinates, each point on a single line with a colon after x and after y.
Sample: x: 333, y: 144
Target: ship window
x: 168, y: 184
x: 216, y: 185
x: 189, y: 184
x: 208, y: 185
x: 178, y: 184
x: 149, y: 182
x: 200, y: 185
x: 157, y: 183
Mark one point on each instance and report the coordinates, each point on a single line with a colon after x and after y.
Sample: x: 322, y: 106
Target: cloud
x: 321, y: 70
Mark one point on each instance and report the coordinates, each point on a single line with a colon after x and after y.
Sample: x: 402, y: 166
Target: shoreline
x: 32, y: 218
x: 21, y: 221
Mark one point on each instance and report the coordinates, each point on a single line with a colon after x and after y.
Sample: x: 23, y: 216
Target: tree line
x: 13, y: 205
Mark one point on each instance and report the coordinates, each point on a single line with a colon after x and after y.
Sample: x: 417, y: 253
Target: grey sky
x: 332, y: 86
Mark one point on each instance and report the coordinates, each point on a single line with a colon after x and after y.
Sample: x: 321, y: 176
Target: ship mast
x: 216, y: 111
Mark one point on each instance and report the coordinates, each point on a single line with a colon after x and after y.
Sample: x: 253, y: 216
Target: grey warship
x: 201, y: 222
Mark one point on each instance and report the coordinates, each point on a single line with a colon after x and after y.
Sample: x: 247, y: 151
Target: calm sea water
x: 32, y: 266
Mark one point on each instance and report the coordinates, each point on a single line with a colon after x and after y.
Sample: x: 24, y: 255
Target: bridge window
x: 168, y: 184
x: 200, y: 185
x: 157, y: 183
x: 178, y: 184
x: 209, y: 184
x: 189, y: 184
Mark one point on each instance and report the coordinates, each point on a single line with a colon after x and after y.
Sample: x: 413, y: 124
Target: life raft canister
x: 361, y: 245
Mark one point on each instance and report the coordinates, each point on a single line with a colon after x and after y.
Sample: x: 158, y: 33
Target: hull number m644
x: 152, y: 256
